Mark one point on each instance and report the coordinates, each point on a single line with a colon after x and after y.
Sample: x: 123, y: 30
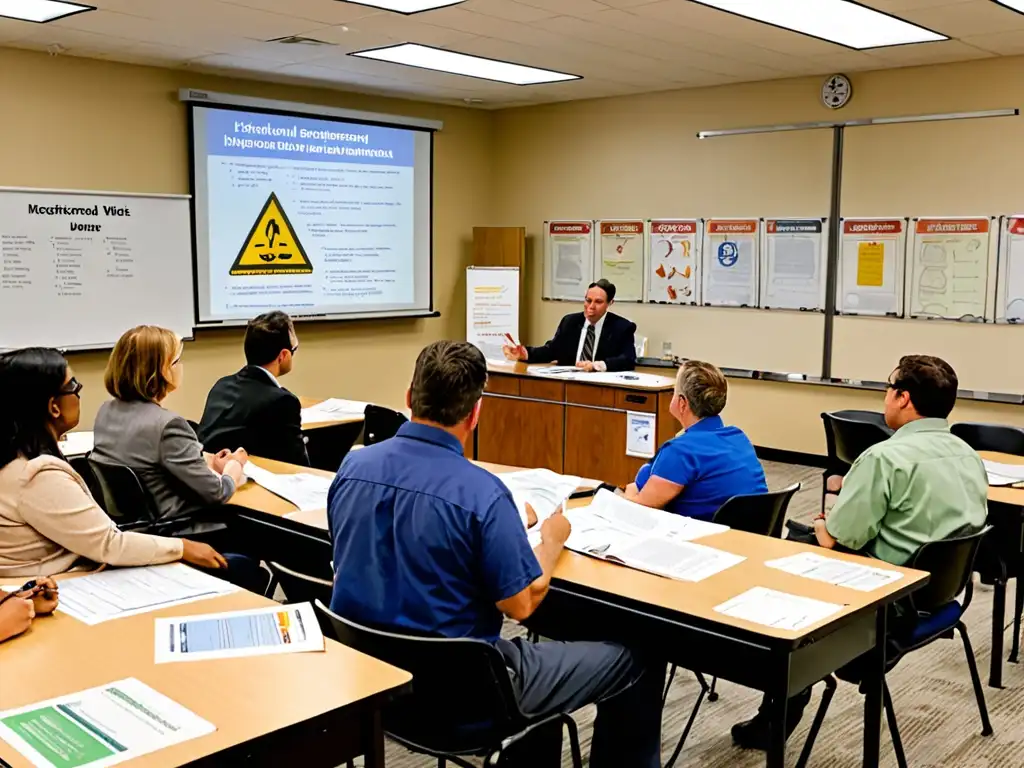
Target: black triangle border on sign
x: 269, y: 269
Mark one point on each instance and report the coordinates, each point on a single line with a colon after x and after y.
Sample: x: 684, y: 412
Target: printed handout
x: 120, y: 592
x: 542, y: 489
x: 770, y: 608
x: 1001, y: 474
x: 832, y: 570
x: 303, y: 489
x: 260, y: 632
x: 333, y: 409
x: 99, y: 727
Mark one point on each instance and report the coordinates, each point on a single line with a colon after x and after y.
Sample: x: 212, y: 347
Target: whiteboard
x: 872, y: 253
x: 1010, y: 296
x: 793, y: 263
x: 492, y: 308
x: 673, y: 253
x: 729, y: 273
x: 949, y: 268
x: 77, y: 269
x: 568, y: 259
x: 622, y: 257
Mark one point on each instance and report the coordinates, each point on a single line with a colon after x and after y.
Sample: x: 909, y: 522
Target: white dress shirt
x: 273, y: 378
x: 599, y: 365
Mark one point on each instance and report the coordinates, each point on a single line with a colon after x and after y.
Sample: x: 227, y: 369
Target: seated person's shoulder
x: 42, y: 467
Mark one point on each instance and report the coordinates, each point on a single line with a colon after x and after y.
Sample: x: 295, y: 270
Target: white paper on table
x: 640, y: 434
x: 560, y: 371
x: 542, y: 489
x: 1003, y: 474
x: 303, y: 489
x: 332, y: 409
x: 832, y: 570
x: 638, y: 520
x: 127, y: 713
x: 120, y: 592
x: 75, y: 444
x: 676, y: 559
x: 780, y: 610
x: 235, y: 634
x: 631, y: 378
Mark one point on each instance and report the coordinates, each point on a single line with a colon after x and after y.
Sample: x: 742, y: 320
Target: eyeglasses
x: 294, y: 349
x: 73, y: 387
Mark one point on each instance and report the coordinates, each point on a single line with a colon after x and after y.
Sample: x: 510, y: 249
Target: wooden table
x: 268, y: 710
x: 309, y: 402
x: 1006, y: 514
x: 677, y: 620
x: 327, y: 442
x: 572, y: 427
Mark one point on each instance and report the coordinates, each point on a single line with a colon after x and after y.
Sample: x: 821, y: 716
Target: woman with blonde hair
x: 49, y: 522
x: 136, y: 430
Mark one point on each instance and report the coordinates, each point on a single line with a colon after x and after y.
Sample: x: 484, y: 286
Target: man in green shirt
x: 923, y: 484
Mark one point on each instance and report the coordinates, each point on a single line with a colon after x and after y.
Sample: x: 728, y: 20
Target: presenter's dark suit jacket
x: 247, y: 409
x: 616, y: 346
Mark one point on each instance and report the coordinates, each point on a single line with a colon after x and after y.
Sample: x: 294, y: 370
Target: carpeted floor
x: 931, y: 689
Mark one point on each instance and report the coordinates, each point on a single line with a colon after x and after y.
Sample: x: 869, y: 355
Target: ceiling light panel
x: 440, y: 60
x: 406, y: 6
x: 837, y: 21
x: 40, y: 11
x: 1013, y: 5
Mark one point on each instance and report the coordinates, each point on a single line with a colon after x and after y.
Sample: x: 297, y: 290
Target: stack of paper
x: 832, y: 570
x: 75, y: 444
x: 647, y: 539
x: 542, y: 489
x: 101, y: 726
x: 777, y: 609
x: 303, y: 489
x: 120, y: 592
x: 258, y: 632
x: 333, y: 409
x: 1003, y: 474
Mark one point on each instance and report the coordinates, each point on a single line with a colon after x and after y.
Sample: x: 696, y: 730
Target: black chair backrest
x: 300, y: 588
x: 307, y: 553
x: 380, y: 423
x: 990, y: 437
x: 455, y: 682
x: 848, y: 437
x: 124, y: 499
x: 762, y: 513
x: 950, y: 563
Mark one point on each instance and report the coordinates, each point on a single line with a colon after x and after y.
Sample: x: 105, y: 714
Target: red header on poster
x: 952, y: 226
x: 732, y: 227
x: 671, y: 227
x: 622, y: 227
x: 862, y: 227
x: 569, y: 227
x: 1016, y: 226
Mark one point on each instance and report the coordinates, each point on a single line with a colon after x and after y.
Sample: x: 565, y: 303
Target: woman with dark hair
x: 49, y: 521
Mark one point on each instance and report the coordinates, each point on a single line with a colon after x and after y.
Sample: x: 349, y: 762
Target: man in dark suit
x: 592, y: 340
x: 250, y: 408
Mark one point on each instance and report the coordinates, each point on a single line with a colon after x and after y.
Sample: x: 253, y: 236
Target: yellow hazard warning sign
x: 272, y: 247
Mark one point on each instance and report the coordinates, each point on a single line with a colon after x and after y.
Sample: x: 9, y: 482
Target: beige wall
x: 76, y: 123
x: 639, y: 157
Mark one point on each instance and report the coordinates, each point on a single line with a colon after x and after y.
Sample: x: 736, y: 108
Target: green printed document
x: 99, y: 727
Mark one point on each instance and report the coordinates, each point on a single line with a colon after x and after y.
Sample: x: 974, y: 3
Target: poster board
x: 492, y: 308
x: 86, y: 266
x: 1010, y: 283
x: 568, y: 259
x: 673, y: 252
x: 872, y: 253
x: 793, y: 263
x: 731, y: 262
x: 622, y: 257
x: 951, y: 260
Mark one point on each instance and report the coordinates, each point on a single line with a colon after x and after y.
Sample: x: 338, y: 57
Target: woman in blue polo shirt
x: 695, y: 473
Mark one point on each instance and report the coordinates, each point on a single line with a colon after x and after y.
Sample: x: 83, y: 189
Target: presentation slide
x: 320, y: 218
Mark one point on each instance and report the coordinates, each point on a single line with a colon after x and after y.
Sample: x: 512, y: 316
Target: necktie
x: 588, y: 344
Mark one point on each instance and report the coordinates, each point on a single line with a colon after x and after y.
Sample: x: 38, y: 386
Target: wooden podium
x: 572, y: 427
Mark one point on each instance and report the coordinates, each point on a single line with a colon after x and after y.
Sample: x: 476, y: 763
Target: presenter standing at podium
x: 592, y: 340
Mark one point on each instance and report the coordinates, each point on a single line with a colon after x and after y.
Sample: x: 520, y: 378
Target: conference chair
x: 760, y: 513
x: 990, y: 437
x: 123, y: 497
x: 455, y: 682
x: 848, y: 434
x: 282, y: 543
x: 380, y: 423
x: 938, y: 614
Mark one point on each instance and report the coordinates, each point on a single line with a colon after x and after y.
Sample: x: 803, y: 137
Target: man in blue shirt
x: 426, y: 541
x: 695, y: 473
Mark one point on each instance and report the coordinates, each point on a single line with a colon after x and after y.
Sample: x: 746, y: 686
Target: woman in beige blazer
x: 49, y: 522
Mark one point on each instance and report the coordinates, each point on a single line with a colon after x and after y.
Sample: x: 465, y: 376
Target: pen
x: 511, y: 341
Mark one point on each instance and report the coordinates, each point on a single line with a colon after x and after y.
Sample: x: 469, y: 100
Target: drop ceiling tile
x: 398, y: 29
x: 961, y: 20
x: 11, y: 29
x: 929, y: 53
x: 610, y: 38
x: 280, y: 53
x: 225, y: 61
x: 508, y: 10
x: 329, y: 12
x: 567, y: 7
x: 897, y: 7
x: 1002, y: 43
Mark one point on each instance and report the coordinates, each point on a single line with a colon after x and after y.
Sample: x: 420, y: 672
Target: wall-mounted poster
x: 673, y: 274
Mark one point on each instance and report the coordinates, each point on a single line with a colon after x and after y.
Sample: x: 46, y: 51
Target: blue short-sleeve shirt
x: 712, y: 462
x: 423, y: 539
